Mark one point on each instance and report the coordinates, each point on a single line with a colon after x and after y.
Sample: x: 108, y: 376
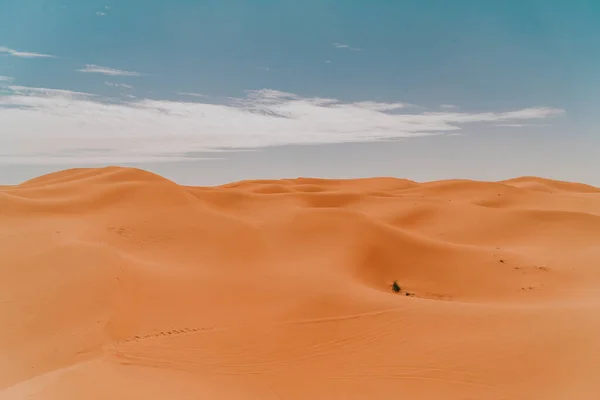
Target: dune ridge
x: 118, y: 283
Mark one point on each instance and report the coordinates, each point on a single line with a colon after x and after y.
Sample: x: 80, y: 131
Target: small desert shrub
x: 395, y: 287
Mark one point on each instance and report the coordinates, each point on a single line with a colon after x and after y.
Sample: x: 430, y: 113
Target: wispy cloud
x: 448, y: 106
x: 23, y: 54
x: 34, y: 92
x: 191, y: 94
x: 102, y: 13
x: 120, y: 85
x: 521, y: 125
x: 271, y: 69
x: 345, y: 46
x: 377, y: 106
x: 6, y: 78
x: 511, y: 125
x: 98, y: 69
x: 49, y: 125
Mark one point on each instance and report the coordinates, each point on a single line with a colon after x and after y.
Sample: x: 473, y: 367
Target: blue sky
x: 152, y: 83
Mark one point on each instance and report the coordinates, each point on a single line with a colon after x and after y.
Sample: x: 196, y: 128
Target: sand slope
x: 116, y: 283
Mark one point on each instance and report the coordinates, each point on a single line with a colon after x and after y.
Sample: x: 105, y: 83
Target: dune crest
x: 118, y: 283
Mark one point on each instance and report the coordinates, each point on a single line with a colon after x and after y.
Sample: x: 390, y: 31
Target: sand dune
x: 116, y: 283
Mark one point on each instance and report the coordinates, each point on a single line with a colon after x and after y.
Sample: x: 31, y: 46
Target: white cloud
x: 23, y: 54
x: 327, y: 62
x: 6, y: 78
x: 448, y: 106
x: 49, y: 125
x: 121, y: 85
x: 101, y: 14
x: 98, y: 69
x: 345, y: 46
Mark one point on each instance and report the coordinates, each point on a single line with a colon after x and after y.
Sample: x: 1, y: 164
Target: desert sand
x: 116, y: 283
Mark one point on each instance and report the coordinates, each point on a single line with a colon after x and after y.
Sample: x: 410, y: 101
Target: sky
x: 206, y: 92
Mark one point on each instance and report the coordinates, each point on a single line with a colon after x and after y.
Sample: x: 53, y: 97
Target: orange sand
x: 119, y: 284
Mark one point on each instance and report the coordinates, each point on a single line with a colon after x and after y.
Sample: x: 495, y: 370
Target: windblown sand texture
x: 116, y: 283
